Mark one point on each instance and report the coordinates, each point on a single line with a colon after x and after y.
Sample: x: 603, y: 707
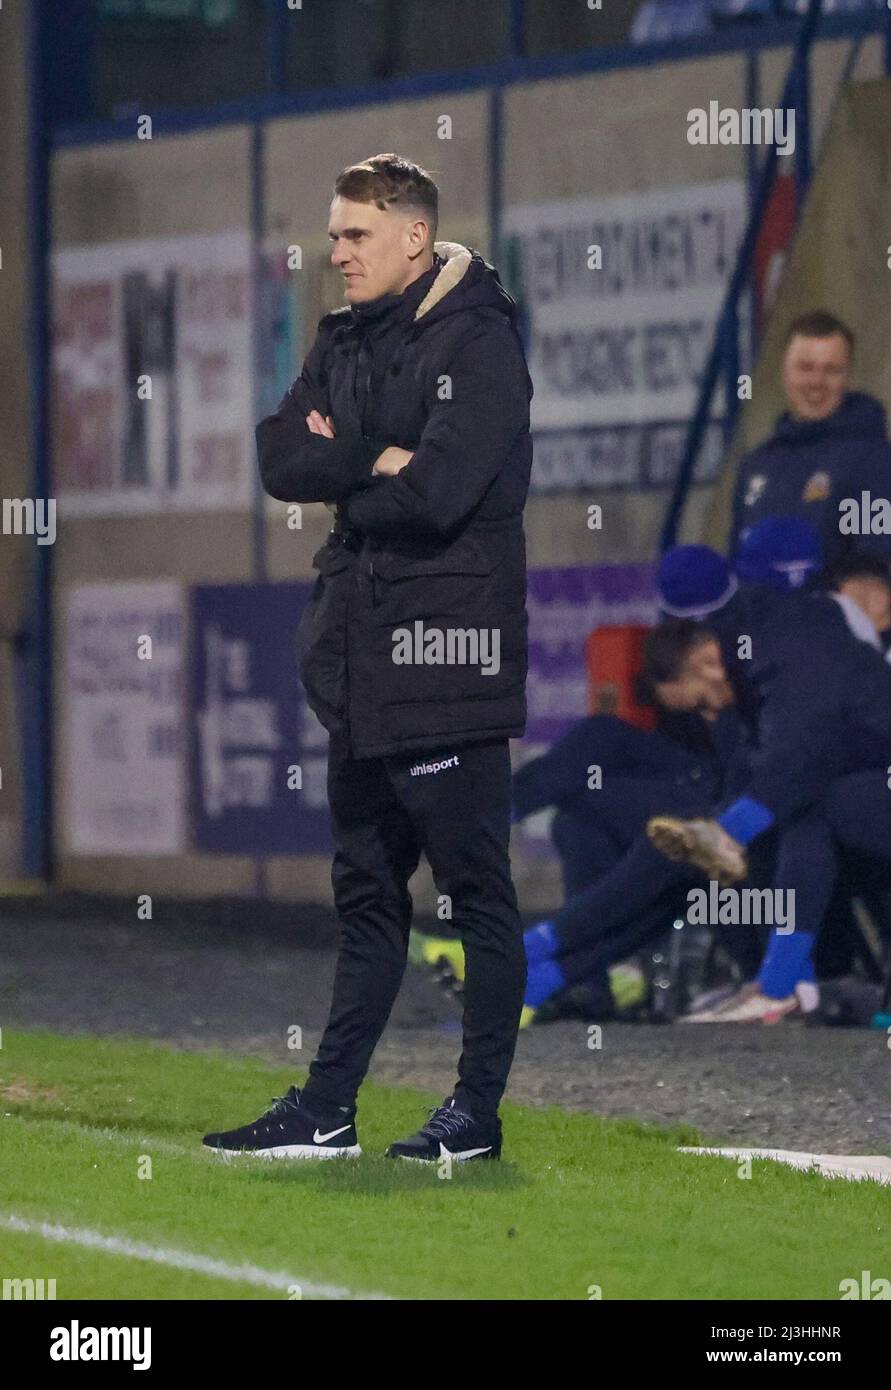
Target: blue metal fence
x: 514, y: 69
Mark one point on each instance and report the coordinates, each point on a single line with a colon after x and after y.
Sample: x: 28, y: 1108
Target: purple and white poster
x: 123, y: 790
x: 259, y: 755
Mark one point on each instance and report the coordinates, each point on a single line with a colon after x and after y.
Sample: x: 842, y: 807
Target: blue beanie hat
x: 693, y: 580
x: 780, y: 551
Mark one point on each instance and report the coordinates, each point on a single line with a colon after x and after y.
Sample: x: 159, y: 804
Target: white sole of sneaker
x: 294, y: 1151
x: 456, y: 1158
x: 745, y: 1020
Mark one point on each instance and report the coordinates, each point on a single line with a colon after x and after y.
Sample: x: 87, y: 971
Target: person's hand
x: 319, y: 424
x: 392, y: 461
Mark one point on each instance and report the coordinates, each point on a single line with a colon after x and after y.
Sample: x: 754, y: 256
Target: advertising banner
x: 125, y: 721
x: 152, y: 375
x: 620, y: 298
x: 259, y: 755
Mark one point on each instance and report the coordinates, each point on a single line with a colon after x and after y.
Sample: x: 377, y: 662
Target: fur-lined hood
x: 457, y: 261
x: 464, y: 281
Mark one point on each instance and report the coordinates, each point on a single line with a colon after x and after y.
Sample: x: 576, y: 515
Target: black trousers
x: 455, y: 807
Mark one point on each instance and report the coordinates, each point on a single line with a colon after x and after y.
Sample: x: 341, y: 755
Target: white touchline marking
x: 855, y: 1167
x: 129, y: 1138
x: 180, y: 1259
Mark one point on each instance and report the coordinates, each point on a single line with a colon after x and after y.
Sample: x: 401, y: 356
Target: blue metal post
x: 37, y: 722
x: 714, y: 363
x: 259, y: 565
x: 259, y: 569
x: 730, y: 334
x: 496, y: 172
x: 753, y: 87
x: 277, y: 15
x: 517, y: 34
x: 801, y: 107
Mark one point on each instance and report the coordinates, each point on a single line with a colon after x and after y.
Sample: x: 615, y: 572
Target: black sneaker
x: 450, y: 1133
x: 289, y: 1130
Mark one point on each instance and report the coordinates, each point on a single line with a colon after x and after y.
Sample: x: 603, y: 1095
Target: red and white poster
x: 152, y: 375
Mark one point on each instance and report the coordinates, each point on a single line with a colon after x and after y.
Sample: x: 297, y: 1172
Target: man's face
x: 701, y: 684
x: 872, y: 597
x: 815, y: 375
x: 376, y: 252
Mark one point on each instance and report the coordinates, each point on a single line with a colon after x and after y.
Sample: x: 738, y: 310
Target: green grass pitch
x: 578, y: 1204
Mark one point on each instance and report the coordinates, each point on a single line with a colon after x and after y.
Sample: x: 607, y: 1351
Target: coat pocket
x: 454, y: 583
x: 448, y: 626
x: 478, y: 554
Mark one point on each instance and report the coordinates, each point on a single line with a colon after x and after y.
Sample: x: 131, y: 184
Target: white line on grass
x: 179, y: 1259
x: 856, y: 1167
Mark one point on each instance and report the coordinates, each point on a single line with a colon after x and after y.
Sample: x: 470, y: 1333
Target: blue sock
x: 745, y: 819
x: 540, y: 943
x: 544, y: 980
x: 786, y: 961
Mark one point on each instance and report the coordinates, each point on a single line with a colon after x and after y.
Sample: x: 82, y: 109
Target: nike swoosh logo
x: 323, y: 1138
x: 464, y: 1153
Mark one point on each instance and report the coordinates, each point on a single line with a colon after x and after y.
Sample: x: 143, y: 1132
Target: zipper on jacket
x: 373, y: 579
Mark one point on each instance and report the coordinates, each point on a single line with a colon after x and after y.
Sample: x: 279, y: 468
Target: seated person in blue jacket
x: 681, y: 763
x: 829, y: 445
x: 642, y: 892
x: 818, y: 772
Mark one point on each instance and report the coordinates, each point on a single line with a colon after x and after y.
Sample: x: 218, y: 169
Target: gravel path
x: 238, y: 974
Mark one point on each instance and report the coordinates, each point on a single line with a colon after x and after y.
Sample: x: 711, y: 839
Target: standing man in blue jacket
x: 411, y: 418
x: 831, y: 443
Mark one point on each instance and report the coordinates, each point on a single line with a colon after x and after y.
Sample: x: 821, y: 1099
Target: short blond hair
x: 389, y: 181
